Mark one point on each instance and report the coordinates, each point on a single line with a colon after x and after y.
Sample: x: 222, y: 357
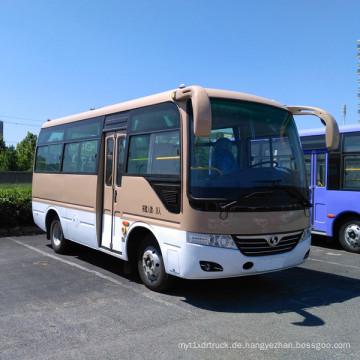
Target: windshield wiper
x: 224, y: 209
x: 232, y: 204
x: 296, y: 193
x: 291, y: 190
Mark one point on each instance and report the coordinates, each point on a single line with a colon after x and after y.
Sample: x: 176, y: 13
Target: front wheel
x: 151, y: 266
x: 58, y: 242
x: 349, y: 235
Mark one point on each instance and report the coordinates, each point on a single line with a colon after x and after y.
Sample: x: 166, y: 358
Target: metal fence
x: 15, y: 177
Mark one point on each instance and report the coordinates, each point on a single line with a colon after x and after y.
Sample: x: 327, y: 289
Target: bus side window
x: 351, y: 161
x: 109, y: 161
x: 307, y: 158
x: 138, y: 154
x: 351, y: 172
x: 166, y: 155
x: 156, y: 153
x: 120, y: 159
x: 320, y: 169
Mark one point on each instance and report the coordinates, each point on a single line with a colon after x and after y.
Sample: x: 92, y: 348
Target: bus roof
x: 155, y: 99
x: 321, y: 131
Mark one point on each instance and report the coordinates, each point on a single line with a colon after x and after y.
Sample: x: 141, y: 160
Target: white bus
x: 193, y: 183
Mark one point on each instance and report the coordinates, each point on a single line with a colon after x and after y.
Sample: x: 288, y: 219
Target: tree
x: 8, y: 159
x: 2, y: 144
x: 21, y: 158
x: 25, y: 151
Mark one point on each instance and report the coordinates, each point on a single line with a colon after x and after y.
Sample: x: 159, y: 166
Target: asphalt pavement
x: 82, y: 306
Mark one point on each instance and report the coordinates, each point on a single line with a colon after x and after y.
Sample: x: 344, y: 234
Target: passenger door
x: 115, y: 143
x: 316, y: 172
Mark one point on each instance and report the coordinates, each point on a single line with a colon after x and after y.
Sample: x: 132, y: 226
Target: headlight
x: 222, y: 241
x: 305, y: 234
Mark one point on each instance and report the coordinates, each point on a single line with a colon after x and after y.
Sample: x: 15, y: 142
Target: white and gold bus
x: 193, y: 183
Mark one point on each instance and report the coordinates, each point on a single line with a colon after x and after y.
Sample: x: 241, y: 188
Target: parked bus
x: 334, y: 179
x: 192, y: 183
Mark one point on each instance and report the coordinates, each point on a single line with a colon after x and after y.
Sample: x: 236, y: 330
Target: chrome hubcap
x: 352, y: 235
x: 57, y: 235
x: 151, y: 263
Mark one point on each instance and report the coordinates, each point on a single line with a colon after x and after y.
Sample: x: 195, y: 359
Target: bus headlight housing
x: 305, y: 234
x: 221, y: 241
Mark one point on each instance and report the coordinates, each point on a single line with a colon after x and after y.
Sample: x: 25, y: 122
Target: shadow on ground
x: 293, y: 290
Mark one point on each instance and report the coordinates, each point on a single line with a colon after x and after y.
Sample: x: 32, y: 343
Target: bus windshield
x: 253, y: 150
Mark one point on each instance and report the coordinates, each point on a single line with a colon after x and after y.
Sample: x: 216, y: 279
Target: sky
x: 59, y: 58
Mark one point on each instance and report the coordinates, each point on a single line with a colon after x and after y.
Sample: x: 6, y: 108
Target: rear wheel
x: 349, y: 235
x: 58, y: 242
x: 151, y: 266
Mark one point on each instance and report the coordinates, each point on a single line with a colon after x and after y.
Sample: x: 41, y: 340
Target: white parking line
x: 334, y: 263
x: 152, y: 296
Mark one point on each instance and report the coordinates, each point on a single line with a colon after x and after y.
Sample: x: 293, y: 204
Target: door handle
x: 115, y: 195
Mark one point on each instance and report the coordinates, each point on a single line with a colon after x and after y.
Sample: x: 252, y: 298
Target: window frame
x: 46, y: 170
x: 151, y: 153
x: 134, y: 132
x: 66, y: 129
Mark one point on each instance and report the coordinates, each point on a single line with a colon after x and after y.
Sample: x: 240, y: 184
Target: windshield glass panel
x: 252, y: 148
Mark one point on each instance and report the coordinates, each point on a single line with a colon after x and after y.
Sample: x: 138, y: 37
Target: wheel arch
x: 341, y: 219
x: 136, y: 233
x: 50, y: 216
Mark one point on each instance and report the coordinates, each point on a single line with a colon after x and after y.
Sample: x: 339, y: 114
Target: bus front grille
x: 262, y: 245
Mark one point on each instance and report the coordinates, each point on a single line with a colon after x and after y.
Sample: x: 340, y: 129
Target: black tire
x: 151, y: 266
x: 58, y: 242
x: 349, y: 235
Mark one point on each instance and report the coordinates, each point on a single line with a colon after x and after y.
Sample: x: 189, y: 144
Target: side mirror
x: 201, y: 108
x: 332, y: 128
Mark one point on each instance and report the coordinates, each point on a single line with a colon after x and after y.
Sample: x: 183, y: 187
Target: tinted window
x: 351, y: 142
x: 316, y: 142
x: 109, y: 161
x: 157, y: 153
x: 333, y: 177
x: 80, y: 157
x: 251, y: 148
x: 166, y: 153
x: 52, y: 134
x: 158, y: 117
x: 83, y: 129
x: 320, y: 169
x: 48, y: 158
x: 307, y: 158
x: 120, y: 159
x: 351, y: 173
x: 139, y: 154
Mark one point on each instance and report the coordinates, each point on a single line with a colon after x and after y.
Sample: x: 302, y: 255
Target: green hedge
x: 15, y: 207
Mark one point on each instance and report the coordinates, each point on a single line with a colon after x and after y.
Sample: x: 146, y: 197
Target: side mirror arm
x: 332, y: 128
x: 201, y: 108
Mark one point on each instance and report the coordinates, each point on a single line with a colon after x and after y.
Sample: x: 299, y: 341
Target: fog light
x: 248, y: 265
x: 210, y: 266
x: 307, y: 254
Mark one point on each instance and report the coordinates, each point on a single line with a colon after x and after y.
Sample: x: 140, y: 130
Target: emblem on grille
x: 273, y: 240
